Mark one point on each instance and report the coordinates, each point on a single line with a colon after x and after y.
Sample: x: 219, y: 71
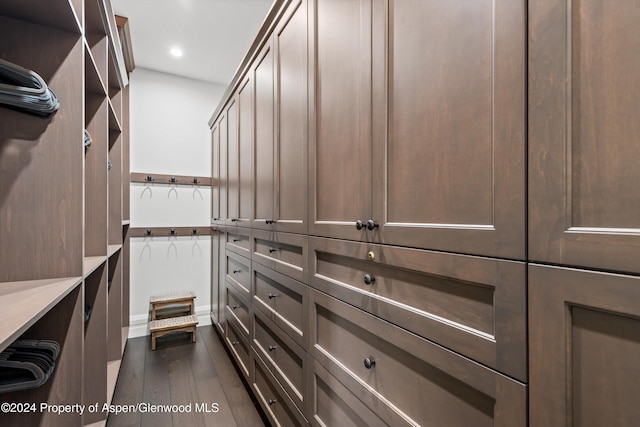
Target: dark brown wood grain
x: 245, y: 153
x: 339, y: 117
x: 114, y: 315
x: 95, y: 344
x: 584, y: 347
x: 583, y: 192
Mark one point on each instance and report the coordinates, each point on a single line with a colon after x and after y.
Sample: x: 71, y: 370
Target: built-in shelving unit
x: 64, y: 271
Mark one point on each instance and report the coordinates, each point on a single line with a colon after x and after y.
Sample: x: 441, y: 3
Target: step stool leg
x: 153, y: 341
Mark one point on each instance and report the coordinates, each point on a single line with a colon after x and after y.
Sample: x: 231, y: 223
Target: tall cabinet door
x: 584, y: 332
x: 339, y: 117
x: 584, y: 98
x: 233, y: 162
x: 290, y: 45
x: 264, y: 183
x: 245, y: 152
x: 449, y: 125
x: 215, y: 174
x: 224, y: 171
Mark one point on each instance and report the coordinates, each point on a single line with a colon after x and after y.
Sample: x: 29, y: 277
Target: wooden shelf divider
x: 16, y: 317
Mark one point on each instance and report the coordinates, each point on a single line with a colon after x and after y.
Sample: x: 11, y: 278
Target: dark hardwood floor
x: 179, y: 372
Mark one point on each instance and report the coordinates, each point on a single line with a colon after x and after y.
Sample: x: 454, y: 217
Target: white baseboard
x: 139, y: 324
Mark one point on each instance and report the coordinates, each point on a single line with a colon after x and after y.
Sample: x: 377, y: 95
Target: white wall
x: 170, y: 135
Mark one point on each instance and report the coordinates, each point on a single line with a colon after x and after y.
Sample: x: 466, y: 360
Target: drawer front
x: 283, y: 300
x: 474, y: 306
x: 283, y: 252
x: 286, y: 359
x: 276, y: 403
x: 238, y: 308
x: 366, y: 353
x: 238, y: 346
x: 239, y: 241
x: 238, y: 270
x: 332, y: 404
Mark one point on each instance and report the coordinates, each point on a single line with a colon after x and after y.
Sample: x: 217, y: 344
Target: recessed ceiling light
x: 176, y: 52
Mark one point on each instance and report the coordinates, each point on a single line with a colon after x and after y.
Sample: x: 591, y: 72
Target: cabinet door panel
x: 264, y: 203
x: 340, y: 117
x: 238, y: 346
x: 224, y: 171
x: 449, y: 150
x: 584, y: 348
x: 584, y: 196
x: 215, y: 174
x: 245, y: 148
x: 345, y: 338
x: 291, y: 86
x: 233, y: 163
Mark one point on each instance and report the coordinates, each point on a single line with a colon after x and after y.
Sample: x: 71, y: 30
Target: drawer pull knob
x: 236, y: 240
x: 270, y: 221
x: 369, y: 279
x: 237, y: 271
x: 371, y: 256
x: 235, y: 343
x: 216, y: 219
x: 235, y: 307
x: 272, y: 347
x: 272, y: 250
x: 272, y: 296
x: 371, y: 224
x: 234, y: 220
x: 272, y: 401
x: 359, y: 224
x: 369, y: 362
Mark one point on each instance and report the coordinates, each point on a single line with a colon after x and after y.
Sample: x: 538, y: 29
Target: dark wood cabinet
x: 233, y: 163
x: 472, y: 305
x: 245, y: 153
x: 584, y: 196
x: 584, y: 347
x: 339, y: 117
x: 264, y: 149
x: 386, y: 366
x: 223, y: 172
x: 290, y: 162
x: 448, y: 139
x: 281, y: 127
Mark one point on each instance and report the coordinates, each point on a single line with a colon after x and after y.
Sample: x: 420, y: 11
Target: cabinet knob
x: 371, y: 224
x: 236, y: 240
x: 235, y: 307
x: 272, y: 250
x: 270, y: 221
x: 272, y: 296
x: 369, y: 279
x: 235, y: 343
x: 359, y: 224
x: 234, y: 220
x: 369, y: 362
x: 237, y: 271
x: 272, y: 401
x: 272, y: 347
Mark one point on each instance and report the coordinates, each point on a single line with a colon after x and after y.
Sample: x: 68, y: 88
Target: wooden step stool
x: 177, y: 303
x: 173, y: 324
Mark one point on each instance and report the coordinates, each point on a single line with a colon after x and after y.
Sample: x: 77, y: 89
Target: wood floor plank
x: 245, y: 410
x: 209, y: 388
x: 180, y: 372
x: 156, y: 388
x: 130, y: 385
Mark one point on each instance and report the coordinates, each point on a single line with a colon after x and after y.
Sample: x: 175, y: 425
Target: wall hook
x: 150, y: 178
x: 194, y: 231
x: 173, y: 179
x: 173, y: 231
x: 195, y: 181
x: 148, y: 232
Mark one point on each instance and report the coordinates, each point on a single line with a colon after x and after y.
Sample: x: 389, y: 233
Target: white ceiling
x: 214, y: 34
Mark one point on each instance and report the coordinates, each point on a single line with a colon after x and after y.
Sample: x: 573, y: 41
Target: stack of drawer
x: 266, y: 316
